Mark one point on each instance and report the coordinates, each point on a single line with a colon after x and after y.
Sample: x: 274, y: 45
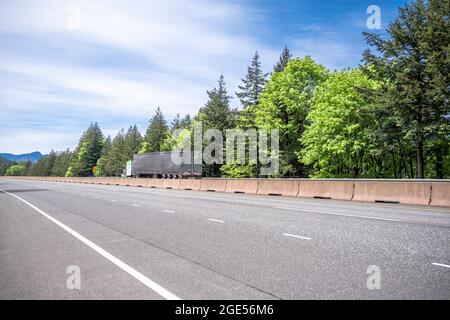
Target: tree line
x: 387, y: 118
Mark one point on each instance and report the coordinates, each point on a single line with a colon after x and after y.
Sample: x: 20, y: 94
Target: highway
x: 143, y: 243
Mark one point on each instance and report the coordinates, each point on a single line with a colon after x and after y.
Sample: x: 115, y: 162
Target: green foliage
x: 49, y: 162
x: 252, y: 84
x: 101, y: 167
x: 69, y: 172
x: 250, y: 91
x: 157, y: 132
x: 249, y: 94
x: 55, y: 164
x: 413, y: 65
x: 113, y: 163
x: 132, y: 141
x: 107, y: 143
x: 40, y: 168
x: 217, y: 114
x: 285, y: 57
x: 171, y: 144
x: 16, y: 170
x: 88, y: 151
x: 335, y: 142
x: 145, y: 147
x: 176, y: 123
x: 236, y: 170
x: 27, y: 165
x: 284, y: 105
x: 4, y: 164
x: 115, y: 154
x: 62, y: 163
x: 183, y: 126
x: 185, y: 122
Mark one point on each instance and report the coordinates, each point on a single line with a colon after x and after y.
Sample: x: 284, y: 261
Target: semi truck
x: 161, y: 165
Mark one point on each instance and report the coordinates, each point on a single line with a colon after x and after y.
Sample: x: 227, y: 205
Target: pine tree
x: 51, y: 158
x: 62, y: 163
x: 113, y: 163
x: 106, y: 145
x: 217, y: 114
x: 436, y: 47
x: 156, y: 134
x: 132, y: 140
x: 88, y: 151
x: 252, y: 84
x: 413, y: 64
x: 101, y: 162
x: 180, y: 123
x: 4, y: 164
x: 185, y: 122
x: 250, y: 91
x: 38, y: 168
x: 176, y: 123
x: 285, y: 57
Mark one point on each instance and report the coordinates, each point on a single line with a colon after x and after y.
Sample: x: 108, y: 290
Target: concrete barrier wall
x: 440, y: 194
x: 395, y: 191
x: 217, y: 185
x: 133, y: 182
x: 278, y: 187
x: 99, y: 180
x: 171, y: 183
x: 110, y: 181
x: 248, y: 186
x: 190, y: 184
x: 328, y: 189
x: 415, y: 192
x: 153, y: 183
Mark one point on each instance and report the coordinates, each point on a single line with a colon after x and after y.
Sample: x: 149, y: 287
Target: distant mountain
x: 33, y: 156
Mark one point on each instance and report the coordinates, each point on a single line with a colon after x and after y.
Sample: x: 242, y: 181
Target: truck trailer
x: 161, y: 165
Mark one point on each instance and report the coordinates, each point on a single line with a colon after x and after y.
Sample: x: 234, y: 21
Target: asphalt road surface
x: 139, y: 243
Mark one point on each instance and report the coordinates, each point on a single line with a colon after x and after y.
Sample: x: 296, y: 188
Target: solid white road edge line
x: 295, y: 236
x: 122, y: 265
x: 337, y: 214
x: 441, y: 265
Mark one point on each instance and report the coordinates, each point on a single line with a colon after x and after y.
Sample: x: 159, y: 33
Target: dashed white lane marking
x: 113, y: 200
x: 295, y: 236
x: 96, y: 197
x: 215, y: 220
x: 169, y: 211
x: 136, y: 205
x: 122, y: 265
x: 441, y: 265
x: 337, y: 214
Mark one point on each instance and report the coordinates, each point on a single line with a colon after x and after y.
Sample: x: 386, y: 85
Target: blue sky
x: 125, y: 58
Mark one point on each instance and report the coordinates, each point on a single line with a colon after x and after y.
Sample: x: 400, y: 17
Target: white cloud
x: 332, y: 53
x: 126, y: 59
x: 101, y: 90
